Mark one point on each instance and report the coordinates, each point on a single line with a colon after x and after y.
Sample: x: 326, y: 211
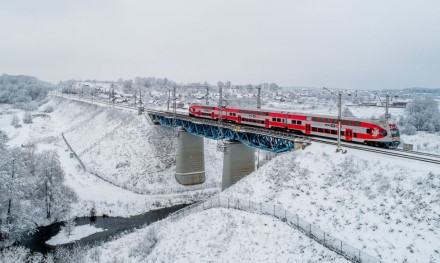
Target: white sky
x: 338, y: 43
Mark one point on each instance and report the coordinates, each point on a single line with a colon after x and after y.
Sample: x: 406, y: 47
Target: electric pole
x: 220, y: 145
x: 338, y: 148
x: 259, y: 96
x: 387, y: 104
x: 207, y: 95
x: 339, y: 95
x: 113, y: 94
x: 169, y: 98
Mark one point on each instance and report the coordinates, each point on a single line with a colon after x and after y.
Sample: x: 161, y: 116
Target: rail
x: 332, y: 243
x: 412, y: 155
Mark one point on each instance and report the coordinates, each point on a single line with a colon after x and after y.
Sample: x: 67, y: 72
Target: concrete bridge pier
x: 190, y: 160
x: 238, y: 161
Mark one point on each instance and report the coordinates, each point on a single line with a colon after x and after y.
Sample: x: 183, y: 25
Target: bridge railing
x: 334, y: 244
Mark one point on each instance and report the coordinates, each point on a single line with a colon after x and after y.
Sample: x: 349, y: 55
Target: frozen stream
x: 112, y: 225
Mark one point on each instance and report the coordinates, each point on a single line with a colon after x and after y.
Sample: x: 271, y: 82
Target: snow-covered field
x: 106, y: 198
x: 216, y: 235
x: 389, y: 208
x: 423, y: 142
x: 136, y: 154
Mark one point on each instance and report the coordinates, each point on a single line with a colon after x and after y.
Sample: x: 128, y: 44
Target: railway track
x: 412, y: 155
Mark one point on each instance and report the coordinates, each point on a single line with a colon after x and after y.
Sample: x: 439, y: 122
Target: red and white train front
x: 371, y: 132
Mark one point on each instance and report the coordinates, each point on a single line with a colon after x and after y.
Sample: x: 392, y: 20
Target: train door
x: 348, y: 134
x: 212, y: 115
x: 239, y: 119
x: 308, y: 128
x: 266, y: 123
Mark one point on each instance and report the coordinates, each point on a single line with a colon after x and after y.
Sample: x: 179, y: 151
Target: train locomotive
x: 370, y: 132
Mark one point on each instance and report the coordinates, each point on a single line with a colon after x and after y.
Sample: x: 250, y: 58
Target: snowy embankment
x: 387, y: 207
x: 217, y: 235
x: 423, y: 142
x: 93, y: 192
x: 133, y: 152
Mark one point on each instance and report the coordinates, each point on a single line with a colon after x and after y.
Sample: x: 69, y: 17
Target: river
x: 113, y: 225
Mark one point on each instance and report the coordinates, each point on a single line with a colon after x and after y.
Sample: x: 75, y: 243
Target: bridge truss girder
x: 259, y: 141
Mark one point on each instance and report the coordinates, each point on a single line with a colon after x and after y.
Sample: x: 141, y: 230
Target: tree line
x: 25, y: 92
x: 32, y: 190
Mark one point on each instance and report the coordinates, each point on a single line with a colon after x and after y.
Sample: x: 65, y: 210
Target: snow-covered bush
x: 423, y: 114
x: 347, y: 113
x: 69, y: 226
x: 48, y: 109
x: 32, y: 191
x: 77, y: 254
x: 20, y: 255
x: 27, y: 118
x: 15, y: 121
x: 147, y: 244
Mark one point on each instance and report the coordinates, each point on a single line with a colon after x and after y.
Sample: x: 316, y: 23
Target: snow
x: 423, y: 142
x: 77, y: 233
x: 387, y: 207
x: 91, y: 191
x: 135, y: 153
x: 217, y: 235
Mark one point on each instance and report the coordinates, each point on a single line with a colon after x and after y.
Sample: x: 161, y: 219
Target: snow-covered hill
x: 216, y: 235
x: 389, y: 208
x: 133, y: 152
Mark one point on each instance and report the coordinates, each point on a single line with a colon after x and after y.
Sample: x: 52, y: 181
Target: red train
x: 371, y: 132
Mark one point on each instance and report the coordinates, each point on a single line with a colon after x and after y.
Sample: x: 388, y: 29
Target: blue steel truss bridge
x: 260, y: 138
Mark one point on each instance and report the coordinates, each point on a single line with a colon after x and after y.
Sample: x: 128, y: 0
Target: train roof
x: 303, y: 113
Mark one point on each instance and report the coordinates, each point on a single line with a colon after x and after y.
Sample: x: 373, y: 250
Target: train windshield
x: 395, y: 133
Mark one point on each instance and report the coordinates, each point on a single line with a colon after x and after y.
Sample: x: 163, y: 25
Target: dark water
x: 114, y: 225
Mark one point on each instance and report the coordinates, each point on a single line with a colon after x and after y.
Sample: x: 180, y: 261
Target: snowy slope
x: 217, y: 235
x: 136, y: 154
x: 387, y: 207
x: 106, y: 198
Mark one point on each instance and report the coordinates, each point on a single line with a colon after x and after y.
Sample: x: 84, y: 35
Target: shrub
x: 27, y: 118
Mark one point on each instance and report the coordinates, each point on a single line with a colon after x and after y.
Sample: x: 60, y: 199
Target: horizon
x: 291, y: 43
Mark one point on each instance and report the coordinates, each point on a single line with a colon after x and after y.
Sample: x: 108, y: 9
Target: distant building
x: 368, y: 104
x: 399, y: 104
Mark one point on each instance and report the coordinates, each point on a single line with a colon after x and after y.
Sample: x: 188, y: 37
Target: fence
x: 161, y: 191
x: 349, y: 252
x: 103, y: 137
x: 74, y: 153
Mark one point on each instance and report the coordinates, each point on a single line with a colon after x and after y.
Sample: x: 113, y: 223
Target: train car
x: 370, y: 132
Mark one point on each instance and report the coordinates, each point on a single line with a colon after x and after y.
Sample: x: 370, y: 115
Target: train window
x: 368, y: 131
x: 298, y: 122
x: 293, y: 122
x: 355, y: 135
x: 278, y: 120
x: 327, y: 131
x: 314, y: 129
x: 357, y: 123
x: 334, y: 132
x: 314, y: 118
x: 274, y: 119
x: 319, y: 129
x: 383, y: 132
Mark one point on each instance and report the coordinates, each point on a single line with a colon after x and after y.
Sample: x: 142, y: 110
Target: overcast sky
x: 339, y: 43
